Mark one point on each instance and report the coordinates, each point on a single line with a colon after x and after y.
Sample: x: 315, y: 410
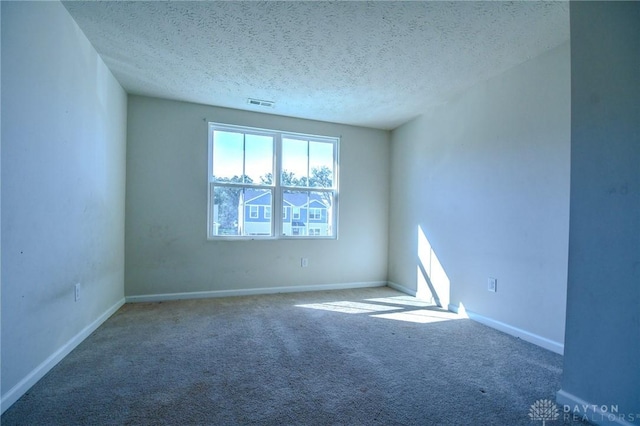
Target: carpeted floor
x: 354, y: 357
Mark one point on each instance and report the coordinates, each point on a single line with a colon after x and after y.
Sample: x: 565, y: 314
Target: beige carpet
x: 353, y: 357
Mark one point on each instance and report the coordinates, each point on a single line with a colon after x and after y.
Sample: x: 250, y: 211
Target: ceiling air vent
x: 260, y: 103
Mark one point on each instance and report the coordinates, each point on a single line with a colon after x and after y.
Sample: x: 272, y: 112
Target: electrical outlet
x: 77, y: 292
x: 304, y: 262
x: 492, y: 284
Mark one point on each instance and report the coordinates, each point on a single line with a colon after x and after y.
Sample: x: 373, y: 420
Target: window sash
x: 280, y: 212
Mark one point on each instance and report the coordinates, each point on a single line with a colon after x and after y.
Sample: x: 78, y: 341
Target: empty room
x: 311, y: 213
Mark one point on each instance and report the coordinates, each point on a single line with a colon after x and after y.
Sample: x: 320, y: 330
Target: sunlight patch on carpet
x: 349, y: 307
x: 402, y: 300
x: 421, y: 316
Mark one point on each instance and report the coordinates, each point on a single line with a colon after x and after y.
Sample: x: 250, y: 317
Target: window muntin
x: 246, y: 201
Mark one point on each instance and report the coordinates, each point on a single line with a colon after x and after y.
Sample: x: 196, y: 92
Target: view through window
x: 245, y: 201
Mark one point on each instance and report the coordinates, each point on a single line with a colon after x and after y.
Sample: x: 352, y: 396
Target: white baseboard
x: 401, y: 288
x: 593, y: 413
x: 514, y: 331
x: 32, y: 378
x: 249, y: 291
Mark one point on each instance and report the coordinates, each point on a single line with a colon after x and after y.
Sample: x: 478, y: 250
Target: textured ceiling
x: 374, y: 64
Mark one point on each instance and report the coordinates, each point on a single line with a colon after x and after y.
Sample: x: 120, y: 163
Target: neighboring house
x: 304, y: 213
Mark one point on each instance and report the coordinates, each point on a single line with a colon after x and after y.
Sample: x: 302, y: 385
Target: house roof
x: 258, y: 197
x: 291, y: 199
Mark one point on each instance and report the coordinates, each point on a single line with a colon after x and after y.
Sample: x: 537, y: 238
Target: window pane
x: 225, y: 211
x: 227, y: 156
x: 295, y: 162
x: 321, y: 164
x: 252, y: 218
x: 238, y: 211
x: 259, y: 159
x: 311, y: 213
x: 321, y: 213
x: 296, y: 202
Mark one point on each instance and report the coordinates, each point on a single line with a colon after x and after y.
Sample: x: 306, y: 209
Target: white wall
x: 166, y: 246
x: 63, y: 187
x: 486, y: 178
x: 602, y: 356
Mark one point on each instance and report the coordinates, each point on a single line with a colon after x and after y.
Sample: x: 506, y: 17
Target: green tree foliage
x: 320, y: 177
x: 227, y: 200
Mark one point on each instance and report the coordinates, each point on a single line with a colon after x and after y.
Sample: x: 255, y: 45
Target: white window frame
x: 278, y: 208
x: 267, y: 212
x: 254, y: 211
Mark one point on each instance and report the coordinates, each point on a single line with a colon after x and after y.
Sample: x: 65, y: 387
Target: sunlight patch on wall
x: 460, y: 310
x: 432, y: 280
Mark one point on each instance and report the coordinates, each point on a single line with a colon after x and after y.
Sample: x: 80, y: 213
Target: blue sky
x: 228, y: 155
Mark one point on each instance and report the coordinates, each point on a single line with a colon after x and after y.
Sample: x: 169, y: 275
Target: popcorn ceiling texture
x: 374, y: 64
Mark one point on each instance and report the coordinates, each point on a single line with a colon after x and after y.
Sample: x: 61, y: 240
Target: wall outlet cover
x: 492, y: 284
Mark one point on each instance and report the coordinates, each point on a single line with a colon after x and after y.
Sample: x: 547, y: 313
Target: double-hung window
x: 291, y: 177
